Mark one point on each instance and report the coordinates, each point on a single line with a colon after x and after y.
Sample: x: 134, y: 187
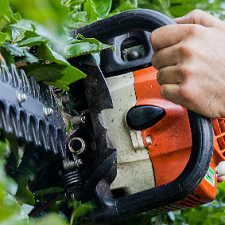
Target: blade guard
x: 110, y: 209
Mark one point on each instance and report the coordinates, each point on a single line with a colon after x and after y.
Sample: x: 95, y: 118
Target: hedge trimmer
x: 129, y: 149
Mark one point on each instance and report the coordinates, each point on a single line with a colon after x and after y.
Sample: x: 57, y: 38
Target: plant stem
x: 44, y: 207
x: 21, y: 34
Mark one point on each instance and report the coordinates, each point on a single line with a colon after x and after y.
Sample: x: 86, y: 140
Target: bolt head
x: 148, y: 140
x: 22, y: 97
x: 48, y: 111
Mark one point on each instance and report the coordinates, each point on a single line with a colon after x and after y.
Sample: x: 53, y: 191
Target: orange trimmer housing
x: 178, y: 144
x: 172, y: 141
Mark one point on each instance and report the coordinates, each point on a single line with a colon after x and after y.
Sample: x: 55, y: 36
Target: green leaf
x: 69, y: 126
x: 30, y: 58
x: 51, y: 218
x: 29, y: 42
x: 79, y: 210
x: 4, y: 149
x: 83, y: 47
x: 8, y: 188
x: 80, y: 38
x: 13, y: 49
x: 7, y: 56
x: 45, y: 52
x: 181, y: 10
x: 59, y: 76
x: 21, y: 25
x: 17, y: 51
x: 6, y: 16
x: 32, y: 29
x: 70, y: 75
x: 49, y: 191
x: 23, y: 194
x: 102, y: 7
x: 97, y: 9
x: 2, y: 38
x: 134, y: 3
x: 18, y: 150
x: 44, y: 72
x: 8, y: 206
x: 124, y: 7
x: 69, y: 3
x: 76, y: 20
x: 50, y: 13
x: 90, y: 8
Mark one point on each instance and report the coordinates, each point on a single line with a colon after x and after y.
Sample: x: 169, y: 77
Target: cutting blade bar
x: 30, y: 111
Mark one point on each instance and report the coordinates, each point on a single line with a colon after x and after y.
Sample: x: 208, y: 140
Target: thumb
x: 202, y: 18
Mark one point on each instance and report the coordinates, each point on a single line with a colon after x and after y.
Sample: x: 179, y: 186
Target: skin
x: 220, y: 179
x: 190, y: 59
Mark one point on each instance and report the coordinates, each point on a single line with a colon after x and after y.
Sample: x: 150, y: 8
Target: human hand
x: 220, y: 179
x: 190, y: 58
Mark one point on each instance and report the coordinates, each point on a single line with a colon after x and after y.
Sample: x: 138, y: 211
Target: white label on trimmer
x: 210, y: 176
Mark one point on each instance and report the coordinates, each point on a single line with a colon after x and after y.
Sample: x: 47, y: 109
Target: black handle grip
x: 124, y: 22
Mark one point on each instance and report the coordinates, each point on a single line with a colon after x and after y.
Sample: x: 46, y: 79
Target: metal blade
x: 30, y: 111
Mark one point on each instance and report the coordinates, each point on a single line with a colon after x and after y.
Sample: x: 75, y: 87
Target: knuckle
x: 196, y: 13
x: 153, y: 60
x: 153, y: 39
x: 164, y: 92
x: 183, y: 71
x: 169, y: 93
x: 187, y: 95
x: 196, y: 16
x: 192, y: 29
x: 184, y: 51
x: 159, y: 77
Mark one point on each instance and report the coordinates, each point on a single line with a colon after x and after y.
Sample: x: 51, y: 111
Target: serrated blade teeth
x: 52, y: 139
x: 25, y: 83
x: 3, y: 119
x: 43, y: 135
x: 61, y: 144
x: 54, y: 103
x: 44, y: 95
x: 22, y: 126
x: 33, y: 132
x: 34, y: 88
x: 30, y: 111
x: 5, y: 74
x: 13, y: 124
x: 47, y: 96
x: 15, y: 77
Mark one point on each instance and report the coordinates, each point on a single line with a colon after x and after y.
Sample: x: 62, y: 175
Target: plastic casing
x: 172, y: 141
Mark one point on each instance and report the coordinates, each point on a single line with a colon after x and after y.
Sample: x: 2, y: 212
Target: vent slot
x: 219, y: 136
x: 190, y: 201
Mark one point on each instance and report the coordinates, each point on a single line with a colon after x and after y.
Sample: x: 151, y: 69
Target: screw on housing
x: 78, y: 120
x: 22, y: 97
x: 48, y: 111
x: 148, y: 140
